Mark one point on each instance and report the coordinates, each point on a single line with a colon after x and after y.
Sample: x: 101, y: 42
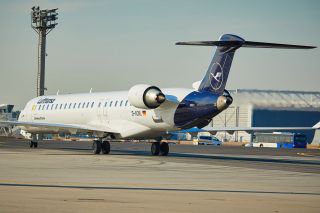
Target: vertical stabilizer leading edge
x: 216, y: 77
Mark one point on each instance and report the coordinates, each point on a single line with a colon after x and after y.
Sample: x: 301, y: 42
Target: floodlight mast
x: 42, y: 21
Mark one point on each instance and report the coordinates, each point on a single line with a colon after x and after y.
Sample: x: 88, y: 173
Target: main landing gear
x: 101, y: 146
x: 161, y: 149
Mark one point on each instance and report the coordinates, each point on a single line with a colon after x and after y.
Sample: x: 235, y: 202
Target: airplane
x: 145, y: 111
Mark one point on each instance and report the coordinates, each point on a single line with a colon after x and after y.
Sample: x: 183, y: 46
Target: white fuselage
x: 110, y: 110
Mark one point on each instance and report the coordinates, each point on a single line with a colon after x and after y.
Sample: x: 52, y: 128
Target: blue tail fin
x: 217, y: 75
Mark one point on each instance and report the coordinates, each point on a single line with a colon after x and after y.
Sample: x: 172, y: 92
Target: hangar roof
x: 276, y: 98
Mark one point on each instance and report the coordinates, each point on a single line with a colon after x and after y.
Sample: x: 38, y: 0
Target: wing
x: 231, y: 130
x: 58, y: 127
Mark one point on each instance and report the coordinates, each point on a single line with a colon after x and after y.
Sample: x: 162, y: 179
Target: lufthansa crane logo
x: 216, y: 76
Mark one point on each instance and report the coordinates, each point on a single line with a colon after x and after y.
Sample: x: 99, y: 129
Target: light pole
x: 42, y: 21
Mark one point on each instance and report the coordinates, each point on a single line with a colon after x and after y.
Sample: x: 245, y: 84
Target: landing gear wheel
x: 261, y: 145
x: 96, y: 147
x: 105, y: 147
x: 155, y: 148
x: 164, y: 149
x: 31, y: 144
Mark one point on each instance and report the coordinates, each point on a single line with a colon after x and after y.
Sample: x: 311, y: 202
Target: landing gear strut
x: 161, y: 149
x: 101, y: 146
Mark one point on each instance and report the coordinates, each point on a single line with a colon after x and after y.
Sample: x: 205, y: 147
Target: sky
x: 112, y: 45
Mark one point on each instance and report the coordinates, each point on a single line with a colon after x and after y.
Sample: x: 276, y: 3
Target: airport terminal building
x: 7, y: 114
x: 267, y: 108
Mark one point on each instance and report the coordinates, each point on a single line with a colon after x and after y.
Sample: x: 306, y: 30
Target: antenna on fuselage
x: 90, y: 90
x: 58, y: 92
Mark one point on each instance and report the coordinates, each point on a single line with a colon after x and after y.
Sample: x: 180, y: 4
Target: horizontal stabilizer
x: 251, y: 44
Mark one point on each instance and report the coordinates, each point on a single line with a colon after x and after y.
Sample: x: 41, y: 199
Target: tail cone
x: 224, y: 102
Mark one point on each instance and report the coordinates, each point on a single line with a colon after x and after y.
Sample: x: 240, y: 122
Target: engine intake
x: 146, y: 96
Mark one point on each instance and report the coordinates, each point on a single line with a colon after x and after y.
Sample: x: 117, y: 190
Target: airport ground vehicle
x: 207, y: 140
x: 280, y: 140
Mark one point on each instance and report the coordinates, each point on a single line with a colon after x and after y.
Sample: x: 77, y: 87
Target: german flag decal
x: 144, y: 113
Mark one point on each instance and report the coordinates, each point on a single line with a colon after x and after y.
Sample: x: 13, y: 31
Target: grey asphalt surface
x: 65, y: 177
x: 297, y: 160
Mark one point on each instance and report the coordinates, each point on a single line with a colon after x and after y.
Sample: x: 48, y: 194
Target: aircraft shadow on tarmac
x: 198, y: 156
x: 138, y: 152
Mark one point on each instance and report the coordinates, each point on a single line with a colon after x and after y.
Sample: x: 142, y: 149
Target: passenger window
x: 84, y: 103
x: 79, y: 105
x: 56, y: 106
x: 88, y: 104
x: 126, y: 102
x: 60, y: 106
x: 70, y: 105
x: 106, y: 104
x: 65, y: 106
x: 110, y: 103
x: 74, y: 105
x: 116, y: 103
x: 121, y: 102
x: 99, y: 105
x: 52, y: 106
x: 92, y: 104
x: 47, y: 106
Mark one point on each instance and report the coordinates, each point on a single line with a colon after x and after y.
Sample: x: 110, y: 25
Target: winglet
x: 317, y: 126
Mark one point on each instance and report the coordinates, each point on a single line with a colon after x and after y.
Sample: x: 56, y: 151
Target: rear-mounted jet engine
x: 145, y: 96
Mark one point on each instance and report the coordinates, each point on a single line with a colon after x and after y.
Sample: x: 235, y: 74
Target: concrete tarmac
x: 66, y: 177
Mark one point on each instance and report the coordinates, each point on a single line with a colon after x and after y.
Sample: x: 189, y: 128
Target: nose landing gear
x: 33, y: 144
x: 34, y: 140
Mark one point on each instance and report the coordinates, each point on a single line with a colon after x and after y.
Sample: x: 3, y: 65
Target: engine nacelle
x: 224, y: 101
x: 145, y: 96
